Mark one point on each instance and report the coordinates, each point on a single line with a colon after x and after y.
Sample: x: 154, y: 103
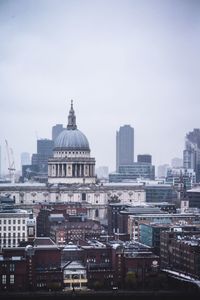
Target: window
x: 3, y: 279
x: 18, y: 221
x: 12, y: 279
x: 4, y: 221
x: 83, y: 196
x: 30, y: 231
x: 12, y: 267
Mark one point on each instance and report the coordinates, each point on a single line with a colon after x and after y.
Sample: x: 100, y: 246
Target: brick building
x: 33, y: 267
x: 180, y: 251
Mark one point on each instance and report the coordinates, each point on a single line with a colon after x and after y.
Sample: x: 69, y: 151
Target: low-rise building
x: 74, y: 230
x: 134, y: 220
x: 150, y: 234
x: 16, y: 225
x: 32, y: 267
x: 194, y: 197
x: 180, y: 251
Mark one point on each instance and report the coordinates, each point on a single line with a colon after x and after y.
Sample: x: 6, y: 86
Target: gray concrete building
x: 56, y: 130
x: 124, y: 146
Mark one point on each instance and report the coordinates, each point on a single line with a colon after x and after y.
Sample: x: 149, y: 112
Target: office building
x: 44, y: 152
x: 137, y: 216
x: 45, y: 147
x: 177, y: 162
x: 150, y: 233
x: 160, y: 193
x: 194, y: 197
x: 181, y: 177
x: 162, y: 171
x: 56, y: 130
x: 124, y: 146
x: 144, y: 158
x: 191, y: 153
x: 132, y: 172
x: 25, y: 159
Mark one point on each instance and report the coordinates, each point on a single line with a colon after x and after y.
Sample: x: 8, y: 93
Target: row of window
x: 7, y: 242
x: 14, y: 228
x: 12, y: 221
x: 14, y: 235
x: 75, y: 276
x: 11, y: 266
x: 73, y: 152
x: 11, y: 279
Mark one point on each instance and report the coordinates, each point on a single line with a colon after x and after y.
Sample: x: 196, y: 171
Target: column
x: 75, y: 170
x: 65, y: 170
x: 49, y: 173
x: 56, y: 170
x: 93, y: 172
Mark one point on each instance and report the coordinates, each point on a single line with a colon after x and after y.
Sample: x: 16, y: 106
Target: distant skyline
x: 122, y: 62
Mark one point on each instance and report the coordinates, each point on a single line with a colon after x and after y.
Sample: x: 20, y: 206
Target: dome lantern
x: 71, y: 118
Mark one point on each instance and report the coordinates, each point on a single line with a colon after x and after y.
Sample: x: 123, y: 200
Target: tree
x: 130, y: 280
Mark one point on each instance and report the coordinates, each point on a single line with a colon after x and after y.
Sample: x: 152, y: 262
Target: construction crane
x: 11, y: 162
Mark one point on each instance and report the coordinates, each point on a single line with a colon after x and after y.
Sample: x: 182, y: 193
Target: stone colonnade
x: 71, y: 170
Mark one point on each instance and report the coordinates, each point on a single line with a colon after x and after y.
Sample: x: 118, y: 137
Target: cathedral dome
x: 71, y: 138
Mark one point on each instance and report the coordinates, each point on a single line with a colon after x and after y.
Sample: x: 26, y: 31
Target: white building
x: 16, y: 225
x: 71, y: 162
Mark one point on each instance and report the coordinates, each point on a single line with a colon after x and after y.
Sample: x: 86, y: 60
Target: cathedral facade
x: 71, y: 162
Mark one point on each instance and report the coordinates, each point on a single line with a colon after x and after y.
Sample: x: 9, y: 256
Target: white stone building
x: 16, y: 225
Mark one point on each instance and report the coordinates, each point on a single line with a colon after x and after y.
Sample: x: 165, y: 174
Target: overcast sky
x: 123, y: 62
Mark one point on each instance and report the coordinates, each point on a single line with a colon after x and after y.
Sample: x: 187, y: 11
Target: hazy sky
x: 123, y: 62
